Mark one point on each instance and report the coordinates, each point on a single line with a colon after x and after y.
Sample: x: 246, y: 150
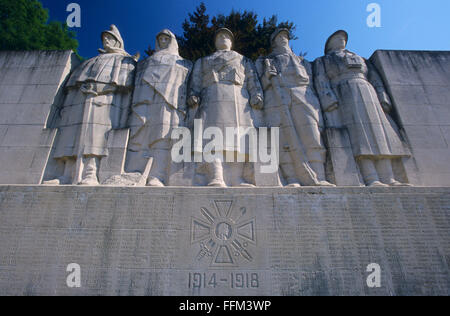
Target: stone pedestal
x: 204, y: 241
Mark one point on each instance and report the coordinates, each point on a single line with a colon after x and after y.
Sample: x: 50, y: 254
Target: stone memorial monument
x: 291, y: 103
x: 159, y: 105
x: 225, y: 88
x: 348, y: 83
x: 97, y: 101
x: 363, y: 161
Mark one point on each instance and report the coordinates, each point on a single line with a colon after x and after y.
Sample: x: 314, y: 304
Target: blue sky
x: 406, y: 24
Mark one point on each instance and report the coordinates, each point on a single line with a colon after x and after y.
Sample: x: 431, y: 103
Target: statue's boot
x: 159, y: 169
x: 59, y: 181
x: 90, y: 181
x: 52, y: 182
x: 238, y: 170
x: 319, y: 169
x: 370, y: 173
x: 399, y: 184
x: 245, y: 184
x: 67, y: 177
x: 289, y: 174
x: 90, y: 171
x: 293, y: 182
x: 155, y: 182
x: 386, y: 173
x: 135, y: 161
x: 376, y: 184
x: 216, y: 174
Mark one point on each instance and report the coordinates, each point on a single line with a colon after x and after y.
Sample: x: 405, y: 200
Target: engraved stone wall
x: 202, y: 241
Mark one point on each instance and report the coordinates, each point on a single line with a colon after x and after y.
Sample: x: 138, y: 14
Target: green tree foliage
x: 252, y: 37
x: 24, y: 26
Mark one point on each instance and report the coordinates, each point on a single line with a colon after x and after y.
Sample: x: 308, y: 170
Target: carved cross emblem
x: 223, y: 234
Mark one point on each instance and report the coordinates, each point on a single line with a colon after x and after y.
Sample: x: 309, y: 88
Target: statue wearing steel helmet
x: 291, y: 104
x: 350, y: 86
x: 226, y: 91
x: 97, y: 100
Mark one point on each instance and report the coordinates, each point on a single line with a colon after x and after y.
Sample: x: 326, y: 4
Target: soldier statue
x: 349, y: 84
x: 226, y: 89
x: 97, y: 100
x: 292, y: 105
x: 159, y: 106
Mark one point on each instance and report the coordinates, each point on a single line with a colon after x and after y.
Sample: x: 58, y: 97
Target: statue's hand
x: 271, y: 71
x: 194, y: 101
x: 257, y: 102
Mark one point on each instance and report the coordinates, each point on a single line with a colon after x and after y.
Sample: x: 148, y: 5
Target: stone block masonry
x: 30, y: 89
x: 205, y: 241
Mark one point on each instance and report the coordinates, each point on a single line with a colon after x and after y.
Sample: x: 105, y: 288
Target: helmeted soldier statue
x: 98, y: 96
x: 349, y: 84
x: 292, y: 105
x: 225, y: 87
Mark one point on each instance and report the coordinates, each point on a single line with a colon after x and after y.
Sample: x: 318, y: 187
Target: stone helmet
x: 225, y: 30
x: 173, y: 45
x: 114, y: 31
x: 278, y: 32
x: 340, y: 32
x: 166, y: 32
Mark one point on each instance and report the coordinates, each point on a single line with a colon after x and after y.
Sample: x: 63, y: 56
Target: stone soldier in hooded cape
x: 159, y: 105
x: 226, y: 87
x: 98, y: 96
x: 291, y: 103
x: 349, y: 84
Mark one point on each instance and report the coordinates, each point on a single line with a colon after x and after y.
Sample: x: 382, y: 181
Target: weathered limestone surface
x: 30, y: 84
x: 291, y: 103
x: 419, y: 85
x: 96, y: 105
x: 147, y: 241
x: 417, y: 82
x: 357, y: 106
